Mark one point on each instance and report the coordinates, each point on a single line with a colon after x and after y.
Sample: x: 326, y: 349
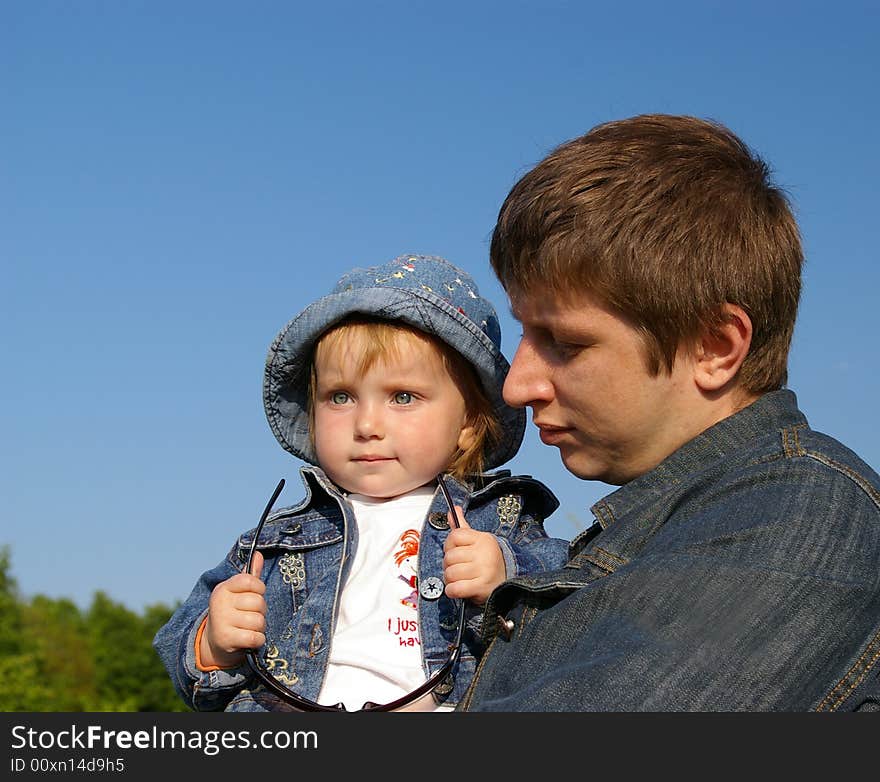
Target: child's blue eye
x: 339, y: 397
x: 402, y: 398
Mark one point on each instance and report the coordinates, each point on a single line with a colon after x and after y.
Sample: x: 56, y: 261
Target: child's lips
x: 373, y: 458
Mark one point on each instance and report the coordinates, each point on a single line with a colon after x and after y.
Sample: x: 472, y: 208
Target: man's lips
x: 552, y: 435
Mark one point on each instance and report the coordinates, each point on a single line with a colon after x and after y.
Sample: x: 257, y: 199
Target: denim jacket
x: 308, y: 549
x: 740, y: 574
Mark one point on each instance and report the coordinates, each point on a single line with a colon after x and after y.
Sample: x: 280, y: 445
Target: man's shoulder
x: 805, y: 463
x: 826, y: 452
x: 804, y: 499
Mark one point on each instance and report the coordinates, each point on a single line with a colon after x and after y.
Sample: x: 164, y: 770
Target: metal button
x: 431, y: 588
x: 505, y: 626
x: 445, y: 687
x: 438, y: 520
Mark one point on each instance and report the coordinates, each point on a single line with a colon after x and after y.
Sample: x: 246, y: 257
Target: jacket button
x: 431, y: 588
x: 446, y: 686
x: 505, y: 627
x: 438, y: 520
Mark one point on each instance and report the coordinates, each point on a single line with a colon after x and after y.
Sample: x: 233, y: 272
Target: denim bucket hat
x: 424, y: 291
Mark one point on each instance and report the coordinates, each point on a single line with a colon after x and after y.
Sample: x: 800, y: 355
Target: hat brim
x: 288, y: 364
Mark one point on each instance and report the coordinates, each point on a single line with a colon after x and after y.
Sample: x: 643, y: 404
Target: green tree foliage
x: 55, y: 657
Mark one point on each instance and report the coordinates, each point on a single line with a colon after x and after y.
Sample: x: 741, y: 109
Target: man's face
x: 582, y: 369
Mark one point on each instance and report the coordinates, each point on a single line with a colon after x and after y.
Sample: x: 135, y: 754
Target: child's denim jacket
x: 308, y: 549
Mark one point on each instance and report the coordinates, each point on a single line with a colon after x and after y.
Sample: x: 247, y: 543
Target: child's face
x: 390, y: 429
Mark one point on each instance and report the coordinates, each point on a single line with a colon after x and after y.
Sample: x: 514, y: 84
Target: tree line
x: 56, y: 657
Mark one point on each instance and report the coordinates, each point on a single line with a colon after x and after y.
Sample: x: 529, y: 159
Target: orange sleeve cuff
x: 205, y: 668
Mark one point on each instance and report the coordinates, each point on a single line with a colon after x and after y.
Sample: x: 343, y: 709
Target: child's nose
x: 368, y: 421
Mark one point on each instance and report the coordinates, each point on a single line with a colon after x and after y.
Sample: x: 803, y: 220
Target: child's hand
x: 236, y: 618
x: 472, y: 561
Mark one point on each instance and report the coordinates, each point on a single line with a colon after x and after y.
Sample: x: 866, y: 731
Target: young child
x: 392, y: 379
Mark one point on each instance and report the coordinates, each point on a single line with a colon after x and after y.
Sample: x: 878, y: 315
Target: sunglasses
x: 304, y: 704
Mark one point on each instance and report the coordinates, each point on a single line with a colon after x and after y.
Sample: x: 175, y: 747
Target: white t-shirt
x: 375, y: 653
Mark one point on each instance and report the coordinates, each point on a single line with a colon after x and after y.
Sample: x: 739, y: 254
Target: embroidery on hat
x: 398, y: 275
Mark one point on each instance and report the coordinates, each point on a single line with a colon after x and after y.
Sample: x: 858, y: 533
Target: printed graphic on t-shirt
x: 406, y: 559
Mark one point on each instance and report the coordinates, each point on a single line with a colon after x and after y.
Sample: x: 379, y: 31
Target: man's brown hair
x: 664, y: 219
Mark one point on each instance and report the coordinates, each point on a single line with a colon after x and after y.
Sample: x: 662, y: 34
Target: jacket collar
x: 627, y: 515
x: 320, y: 491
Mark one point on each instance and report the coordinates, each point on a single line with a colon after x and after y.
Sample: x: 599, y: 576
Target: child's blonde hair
x: 378, y: 340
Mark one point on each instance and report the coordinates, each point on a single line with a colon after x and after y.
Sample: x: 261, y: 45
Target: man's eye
x: 402, y: 398
x: 566, y: 349
x: 339, y: 397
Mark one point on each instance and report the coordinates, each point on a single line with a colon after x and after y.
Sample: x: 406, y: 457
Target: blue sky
x: 179, y: 179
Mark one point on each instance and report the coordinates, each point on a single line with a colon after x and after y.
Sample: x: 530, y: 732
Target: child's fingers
x: 467, y: 588
x: 248, y: 582
x: 250, y: 621
x: 458, y: 517
x: 257, y: 564
x: 462, y: 535
x: 456, y: 555
x: 256, y: 641
x: 243, y: 582
x: 460, y: 571
x: 229, y: 636
x: 250, y: 601
x: 458, y: 538
x: 240, y: 639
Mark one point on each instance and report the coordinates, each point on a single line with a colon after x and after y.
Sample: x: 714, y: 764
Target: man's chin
x: 585, y: 468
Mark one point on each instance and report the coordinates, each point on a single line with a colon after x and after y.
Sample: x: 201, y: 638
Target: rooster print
x: 406, y: 558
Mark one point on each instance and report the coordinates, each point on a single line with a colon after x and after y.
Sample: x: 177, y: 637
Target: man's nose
x: 528, y: 381
x: 368, y: 422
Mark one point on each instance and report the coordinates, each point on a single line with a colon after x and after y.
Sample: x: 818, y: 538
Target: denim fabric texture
x: 423, y: 291
x: 741, y: 574
x: 308, y: 549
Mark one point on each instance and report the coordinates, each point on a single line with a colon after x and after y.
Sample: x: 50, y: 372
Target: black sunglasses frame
x: 304, y: 704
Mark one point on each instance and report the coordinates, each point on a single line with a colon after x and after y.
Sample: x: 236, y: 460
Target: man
x: 655, y: 270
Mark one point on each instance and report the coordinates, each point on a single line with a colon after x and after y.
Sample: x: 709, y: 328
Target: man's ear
x: 720, y: 353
